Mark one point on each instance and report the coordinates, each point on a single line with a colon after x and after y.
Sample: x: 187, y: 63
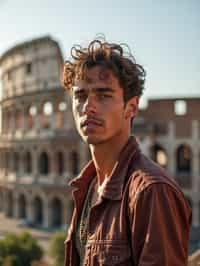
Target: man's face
x: 99, y: 110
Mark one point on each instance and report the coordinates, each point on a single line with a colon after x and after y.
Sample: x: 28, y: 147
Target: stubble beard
x: 95, y: 140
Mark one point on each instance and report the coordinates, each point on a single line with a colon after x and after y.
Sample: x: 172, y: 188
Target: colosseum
x: 40, y: 149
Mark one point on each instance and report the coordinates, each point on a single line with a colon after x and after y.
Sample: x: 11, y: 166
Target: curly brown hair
x: 130, y: 75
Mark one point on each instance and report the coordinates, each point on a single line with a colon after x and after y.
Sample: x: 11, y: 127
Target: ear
x: 132, y: 107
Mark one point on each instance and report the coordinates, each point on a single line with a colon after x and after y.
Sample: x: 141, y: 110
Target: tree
x: 19, y: 249
x: 57, y: 247
x: 11, y: 261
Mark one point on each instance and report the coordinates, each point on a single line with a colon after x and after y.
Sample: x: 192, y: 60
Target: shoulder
x: 147, y: 179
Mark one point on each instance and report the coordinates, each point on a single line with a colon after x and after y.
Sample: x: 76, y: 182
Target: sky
x: 164, y: 36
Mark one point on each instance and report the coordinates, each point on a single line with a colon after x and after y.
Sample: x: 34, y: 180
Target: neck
x: 105, y: 156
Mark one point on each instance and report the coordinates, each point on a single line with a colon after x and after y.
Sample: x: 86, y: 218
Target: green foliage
x: 19, y: 250
x: 57, y: 248
x: 11, y: 261
x: 39, y: 263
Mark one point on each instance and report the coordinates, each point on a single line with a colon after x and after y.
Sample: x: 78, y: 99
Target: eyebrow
x: 98, y: 89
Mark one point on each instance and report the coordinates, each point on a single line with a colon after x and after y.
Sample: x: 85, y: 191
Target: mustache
x: 91, y: 119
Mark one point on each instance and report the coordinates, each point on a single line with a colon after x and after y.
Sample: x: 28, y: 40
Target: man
x: 127, y: 211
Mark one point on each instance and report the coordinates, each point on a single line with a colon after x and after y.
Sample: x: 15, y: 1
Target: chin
x: 92, y: 140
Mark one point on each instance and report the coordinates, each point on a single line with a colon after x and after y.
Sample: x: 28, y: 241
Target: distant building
x: 169, y: 132
x: 39, y: 147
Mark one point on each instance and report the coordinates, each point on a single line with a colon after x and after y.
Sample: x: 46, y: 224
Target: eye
x: 104, y: 96
x: 80, y: 97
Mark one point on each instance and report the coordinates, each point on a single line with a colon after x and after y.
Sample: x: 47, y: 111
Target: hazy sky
x: 163, y: 35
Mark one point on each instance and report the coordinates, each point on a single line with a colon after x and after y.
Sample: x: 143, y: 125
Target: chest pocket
x: 110, y: 253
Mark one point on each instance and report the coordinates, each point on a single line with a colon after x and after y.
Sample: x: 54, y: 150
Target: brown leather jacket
x: 141, y: 219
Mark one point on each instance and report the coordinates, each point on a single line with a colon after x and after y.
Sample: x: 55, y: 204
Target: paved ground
x: 8, y: 225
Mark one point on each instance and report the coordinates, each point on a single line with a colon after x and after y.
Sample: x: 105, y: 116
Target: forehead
x: 97, y: 74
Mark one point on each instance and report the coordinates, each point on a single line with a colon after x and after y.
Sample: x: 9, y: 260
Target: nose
x: 89, y: 106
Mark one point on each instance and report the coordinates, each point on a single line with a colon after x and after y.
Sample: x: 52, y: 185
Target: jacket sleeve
x: 160, y: 222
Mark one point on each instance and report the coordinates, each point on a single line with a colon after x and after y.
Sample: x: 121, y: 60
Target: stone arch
x: 44, y: 163
x: 22, y: 206
x: 7, y: 158
x: 159, y: 154
x: 60, y: 111
x: 184, y: 159
x: 9, y: 120
x: 4, y: 120
x: 74, y: 158
x: 16, y: 161
x: 45, y: 113
x: 38, y: 211
x: 60, y: 162
x: 27, y: 162
x: 18, y: 119
x: 10, y: 203
x: 29, y: 117
x: 56, y: 208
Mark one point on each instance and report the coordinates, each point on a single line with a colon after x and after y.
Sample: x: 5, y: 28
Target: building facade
x: 169, y: 131
x: 39, y: 147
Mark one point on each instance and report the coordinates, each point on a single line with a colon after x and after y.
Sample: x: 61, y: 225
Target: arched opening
x: 44, y: 163
x: 38, y: 211
x: 60, y: 111
x: 184, y: 166
x: 1, y: 201
x: 6, y: 162
x: 74, y: 162
x: 159, y: 155
x: 45, y: 114
x: 9, y: 121
x: 18, y: 120
x: 183, y: 159
x: 56, y: 212
x: 27, y: 163
x: 10, y: 204
x: 22, y: 206
x: 16, y: 162
x: 60, y: 163
x: 31, y: 112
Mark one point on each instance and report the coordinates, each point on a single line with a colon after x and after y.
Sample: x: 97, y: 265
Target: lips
x: 91, y: 122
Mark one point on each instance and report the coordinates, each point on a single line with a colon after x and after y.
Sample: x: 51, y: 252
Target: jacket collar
x: 114, y: 187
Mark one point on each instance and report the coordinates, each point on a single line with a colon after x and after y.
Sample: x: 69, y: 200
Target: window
x: 18, y: 119
x: 16, y: 162
x: 62, y: 106
x: 8, y: 76
x: 183, y: 158
x: 60, y: 163
x: 48, y: 108
x: 159, y: 155
x: 38, y: 211
x: 28, y: 163
x: 33, y: 110
x: 74, y: 162
x: 28, y: 68
x: 56, y: 207
x: 44, y: 163
x: 22, y: 206
x: 180, y: 107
